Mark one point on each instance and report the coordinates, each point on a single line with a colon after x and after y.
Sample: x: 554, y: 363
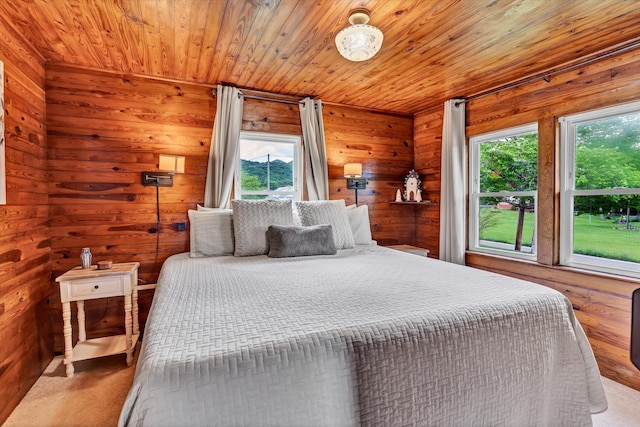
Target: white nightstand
x: 83, y: 284
x: 411, y: 249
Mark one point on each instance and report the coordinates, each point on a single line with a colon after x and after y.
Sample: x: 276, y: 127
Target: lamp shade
x: 360, y: 41
x: 171, y: 163
x: 353, y: 170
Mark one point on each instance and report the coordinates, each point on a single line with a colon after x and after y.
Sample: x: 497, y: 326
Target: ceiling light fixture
x: 360, y: 41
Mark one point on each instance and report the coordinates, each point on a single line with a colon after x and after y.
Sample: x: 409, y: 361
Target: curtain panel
x: 224, y: 148
x: 453, y: 194
x: 315, y: 153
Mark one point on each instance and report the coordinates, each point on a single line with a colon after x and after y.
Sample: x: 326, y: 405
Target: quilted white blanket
x: 370, y: 336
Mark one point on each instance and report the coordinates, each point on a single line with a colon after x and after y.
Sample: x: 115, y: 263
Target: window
x: 600, y: 178
x: 268, y: 167
x: 503, y: 183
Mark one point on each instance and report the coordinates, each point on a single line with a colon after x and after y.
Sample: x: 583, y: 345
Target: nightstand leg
x: 82, y: 334
x: 134, y: 296
x: 68, y: 345
x: 127, y: 327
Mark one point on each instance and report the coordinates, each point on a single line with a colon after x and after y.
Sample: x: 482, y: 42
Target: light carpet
x: 93, y: 397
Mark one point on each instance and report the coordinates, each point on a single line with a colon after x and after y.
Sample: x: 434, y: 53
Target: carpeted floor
x: 98, y: 390
x: 93, y: 397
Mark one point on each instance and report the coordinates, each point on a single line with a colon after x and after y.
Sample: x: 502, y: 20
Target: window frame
x: 568, y: 192
x: 295, y: 140
x: 475, y: 195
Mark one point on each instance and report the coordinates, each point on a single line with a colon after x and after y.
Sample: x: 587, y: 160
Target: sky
x: 257, y: 151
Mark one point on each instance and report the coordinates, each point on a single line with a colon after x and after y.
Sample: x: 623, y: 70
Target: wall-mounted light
x: 353, y: 173
x: 170, y: 165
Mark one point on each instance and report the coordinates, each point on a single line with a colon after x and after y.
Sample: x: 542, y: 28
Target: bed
x: 368, y: 336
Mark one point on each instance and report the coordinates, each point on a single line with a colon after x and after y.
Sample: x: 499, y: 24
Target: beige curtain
x: 315, y: 153
x: 223, y: 153
x: 453, y: 194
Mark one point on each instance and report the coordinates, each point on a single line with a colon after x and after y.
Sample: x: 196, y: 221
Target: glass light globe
x: 359, y: 42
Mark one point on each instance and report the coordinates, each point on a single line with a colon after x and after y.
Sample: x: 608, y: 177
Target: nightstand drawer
x: 95, y: 288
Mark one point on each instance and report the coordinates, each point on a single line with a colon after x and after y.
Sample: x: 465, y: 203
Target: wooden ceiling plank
x: 145, y: 52
x: 100, y: 34
x: 195, y: 42
x: 264, y: 39
x: 50, y: 23
x: 166, y: 23
x: 212, y: 28
x: 235, y: 21
x: 287, y: 37
x: 130, y: 23
x: 17, y: 18
x: 184, y: 10
x: 298, y: 46
x: 110, y: 17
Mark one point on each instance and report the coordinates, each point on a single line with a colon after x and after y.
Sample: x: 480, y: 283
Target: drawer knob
x: 96, y: 287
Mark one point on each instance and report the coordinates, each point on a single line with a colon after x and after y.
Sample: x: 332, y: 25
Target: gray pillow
x: 293, y: 240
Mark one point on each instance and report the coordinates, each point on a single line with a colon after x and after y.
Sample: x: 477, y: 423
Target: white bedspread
x: 371, y: 336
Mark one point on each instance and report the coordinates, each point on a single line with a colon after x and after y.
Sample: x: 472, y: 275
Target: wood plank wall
x: 428, y: 151
x: 383, y: 143
x: 104, y: 129
x: 602, y: 303
x: 26, y: 341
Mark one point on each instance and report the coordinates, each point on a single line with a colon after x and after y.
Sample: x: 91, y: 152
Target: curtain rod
x: 547, y: 76
x: 263, y: 98
x: 214, y: 91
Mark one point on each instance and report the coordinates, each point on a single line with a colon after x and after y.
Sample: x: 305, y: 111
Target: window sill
x: 536, y: 272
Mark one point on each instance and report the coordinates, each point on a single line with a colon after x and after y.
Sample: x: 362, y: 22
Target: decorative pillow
x: 251, y: 218
x: 296, y: 215
x: 293, y: 240
x: 360, y: 226
x: 211, y: 232
x: 202, y: 208
x: 331, y: 212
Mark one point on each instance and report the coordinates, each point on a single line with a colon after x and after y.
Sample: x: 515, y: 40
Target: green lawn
x: 592, y: 236
x: 504, y: 227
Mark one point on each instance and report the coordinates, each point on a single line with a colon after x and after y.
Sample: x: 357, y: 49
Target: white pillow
x: 211, y: 232
x: 332, y: 212
x: 252, y: 218
x: 360, y: 226
x: 202, y: 208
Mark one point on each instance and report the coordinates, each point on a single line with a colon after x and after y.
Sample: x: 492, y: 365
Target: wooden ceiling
x: 433, y: 50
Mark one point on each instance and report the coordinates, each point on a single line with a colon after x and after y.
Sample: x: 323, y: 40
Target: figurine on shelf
x: 411, y: 186
x: 398, y: 196
x: 419, y: 196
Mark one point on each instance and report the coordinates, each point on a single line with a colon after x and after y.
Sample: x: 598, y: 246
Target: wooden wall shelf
x: 427, y: 203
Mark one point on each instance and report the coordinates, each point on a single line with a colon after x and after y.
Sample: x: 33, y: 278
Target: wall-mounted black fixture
x: 169, y: 165
x: 157, y: 179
